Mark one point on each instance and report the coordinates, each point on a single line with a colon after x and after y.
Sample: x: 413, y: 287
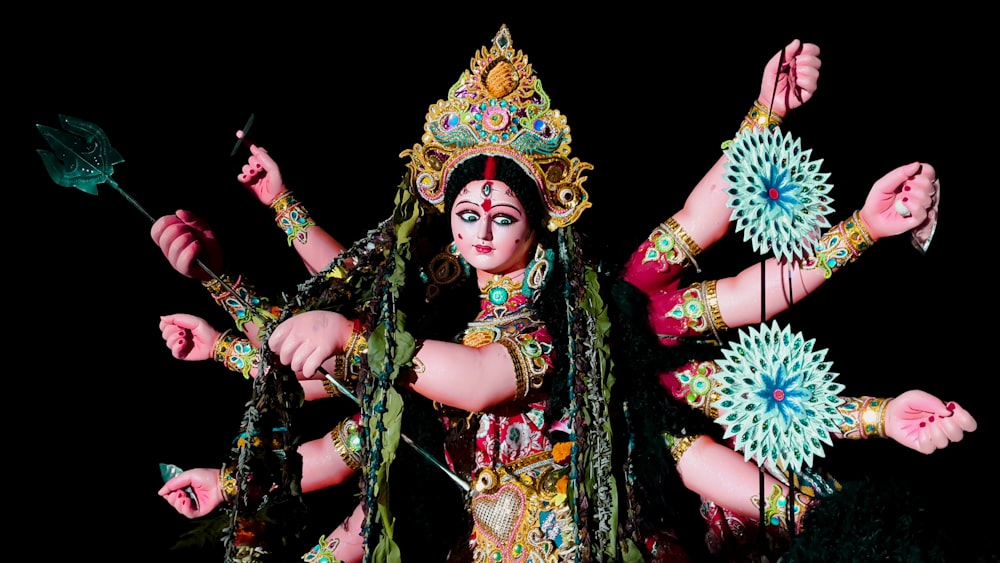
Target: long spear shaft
x: 84, y: 159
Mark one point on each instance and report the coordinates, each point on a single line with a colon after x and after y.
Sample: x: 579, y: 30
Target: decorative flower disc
x: 778, y: 196
x: 778, y: 399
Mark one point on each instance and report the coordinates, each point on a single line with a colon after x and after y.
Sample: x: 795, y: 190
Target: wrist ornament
x: 864, y: 417
x: 236, y: 305
x: 679, y: 445
x: 349, y: 365
x: 292, y: 217
x: 227, y: 483
x: 237, y: 354
x: 710, y: 305
x: 873, y: 417
x: 347, y: 441
x: 840, y: 245
x: 759, y: 117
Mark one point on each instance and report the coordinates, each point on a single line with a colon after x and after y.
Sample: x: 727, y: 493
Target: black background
x: 96, y: 400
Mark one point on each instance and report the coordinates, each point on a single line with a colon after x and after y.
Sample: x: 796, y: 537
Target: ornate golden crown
x: 498, y: 107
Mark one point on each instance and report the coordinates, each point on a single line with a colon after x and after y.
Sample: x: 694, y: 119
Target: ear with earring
x: 536, y: 274
x: 445, y: 268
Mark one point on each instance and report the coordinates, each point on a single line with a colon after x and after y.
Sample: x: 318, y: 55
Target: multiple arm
x: 465, y: 377
x: 326, y: 461
x: 898, y: 202
x: 720, y: 475
x: 315, y: 245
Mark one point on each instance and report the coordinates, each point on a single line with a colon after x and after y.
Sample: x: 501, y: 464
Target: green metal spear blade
x: 82, y: 156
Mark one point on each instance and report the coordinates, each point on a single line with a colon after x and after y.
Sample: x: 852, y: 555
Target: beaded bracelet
x: 292, y: 217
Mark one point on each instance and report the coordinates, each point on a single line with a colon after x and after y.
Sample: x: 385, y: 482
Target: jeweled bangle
x: 840, y: 245
x: 873, y: 417
x: 355, y: 355
x: 236, y: 304
x: 227, y: 482
x: 222, y: 344
x: 347, y: 441
x: 711, y: 297
x: 857, y: 234
x: 237, y: 354
x: 292, y: 217
x: 759, y: 117
x: 679, y: 446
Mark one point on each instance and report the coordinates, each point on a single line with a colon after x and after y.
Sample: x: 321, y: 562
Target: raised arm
x: 736, y: 301
x: 315, y: 245
x: 912, y: 186
x: 789, y: 80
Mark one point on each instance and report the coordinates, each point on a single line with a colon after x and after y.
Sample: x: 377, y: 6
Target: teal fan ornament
x: 779, y: 196
x: 778, y: 399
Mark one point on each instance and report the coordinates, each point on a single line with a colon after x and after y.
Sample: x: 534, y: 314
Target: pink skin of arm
x: 322, y: 467
x: 469, y: 378
x: 489, y: 227
x: 262, y: 176
x: 192, y: 338
x: 739, y: 296
x: 915, y: 419
x: 705, y: 215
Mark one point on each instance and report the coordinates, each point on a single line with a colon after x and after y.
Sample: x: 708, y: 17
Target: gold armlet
x: 840, y: 245
x: 520, y: 367
x: 347, y: 440
x: 677, y: 247
x: 759, y: 117
x: 227, y: 482
x: 237, y: 354
x: 292, y: 217
x: 679, y: 446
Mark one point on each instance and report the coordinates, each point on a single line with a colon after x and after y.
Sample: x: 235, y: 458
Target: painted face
x: 491, y: 228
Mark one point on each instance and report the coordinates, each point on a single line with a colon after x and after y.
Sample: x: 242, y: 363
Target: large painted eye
x: 468, y: 216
